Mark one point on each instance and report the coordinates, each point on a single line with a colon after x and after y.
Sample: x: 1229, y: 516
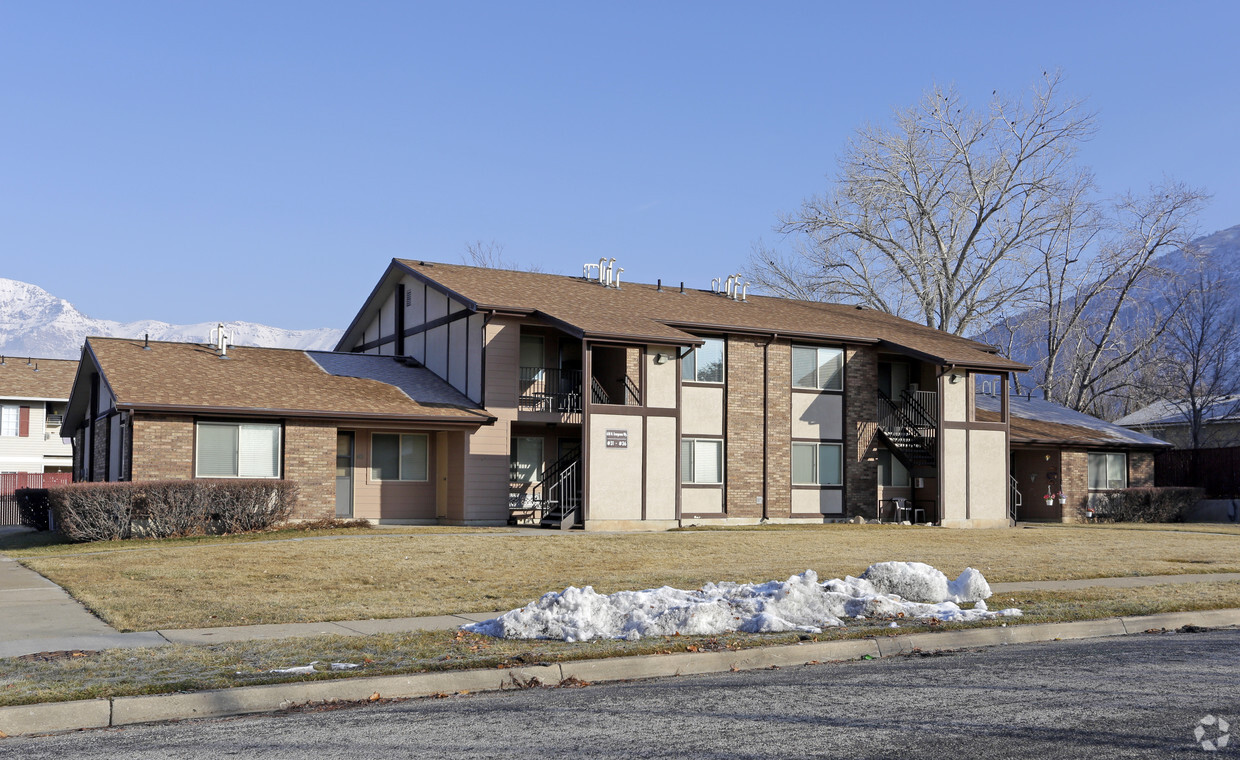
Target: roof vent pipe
x: 659, y: 285
x: 682, y: 287
x: 745, y: 293
x: 616, y: 281
x: 602, y: 270
x: 714, y: 285
x: 611, y: 268
x: 146, y: 342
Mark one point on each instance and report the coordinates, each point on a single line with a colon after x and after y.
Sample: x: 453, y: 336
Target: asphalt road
x: 1135, y: 696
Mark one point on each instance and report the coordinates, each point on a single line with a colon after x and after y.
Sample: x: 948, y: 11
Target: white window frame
x: 400, y: 439
x: 817, y: 474
x: 239, y: 426
x: 691, y: 465
x: 10, y: 420
x: 689, y: 367
x: 819, y: 352
x: 1109, y: 457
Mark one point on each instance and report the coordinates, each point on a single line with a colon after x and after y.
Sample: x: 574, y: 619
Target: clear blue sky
x: 192, y: 161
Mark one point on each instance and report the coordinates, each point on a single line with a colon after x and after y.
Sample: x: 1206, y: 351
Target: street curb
x: 56, y: 717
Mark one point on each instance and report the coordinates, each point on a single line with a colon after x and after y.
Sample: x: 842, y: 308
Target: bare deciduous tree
x: 1100, y: 299
x: 491, y: 256
x: 935, y: 218
x: 1198, y: 373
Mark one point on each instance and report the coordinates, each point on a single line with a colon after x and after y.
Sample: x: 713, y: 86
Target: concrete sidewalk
x: 41, y: 617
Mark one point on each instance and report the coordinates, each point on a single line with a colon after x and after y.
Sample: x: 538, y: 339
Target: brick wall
x: 99, y: 454
x: 743, y: 420
x: 310, y: 462
x: 860, y: 415
x: 779, y: 430
x: 163, y: 447
x: 1140, y: 469
x: 1074, y: 482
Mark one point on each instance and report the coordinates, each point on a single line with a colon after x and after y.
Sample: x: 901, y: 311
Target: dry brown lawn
x: 224, y: 581
x: 51, y: 677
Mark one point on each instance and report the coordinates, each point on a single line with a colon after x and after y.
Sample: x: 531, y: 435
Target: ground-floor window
x: 701, y: 460
x: 399, y: 457
x: 526, y: 460
x: 891, y: 471
x: 816, y: 464
x: 1108, y: 471
x: 237, y: 450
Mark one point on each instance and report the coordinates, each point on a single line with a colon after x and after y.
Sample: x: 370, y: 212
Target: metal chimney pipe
x: 602, y: 272
x: 745, y: 293
x: 616, y: 281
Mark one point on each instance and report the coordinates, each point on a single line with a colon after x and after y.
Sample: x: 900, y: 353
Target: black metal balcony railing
x: 546, y: 389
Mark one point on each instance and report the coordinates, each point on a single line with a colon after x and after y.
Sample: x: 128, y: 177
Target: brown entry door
x: 344, y: 474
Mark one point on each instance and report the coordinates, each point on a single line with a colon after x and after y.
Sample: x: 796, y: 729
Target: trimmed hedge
x: 166, y: 508
x: 1146, y: 504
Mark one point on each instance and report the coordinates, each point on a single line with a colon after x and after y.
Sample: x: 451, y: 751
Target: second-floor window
x: 704, y: 364
x: 9, y: 416
x: 818, y: 368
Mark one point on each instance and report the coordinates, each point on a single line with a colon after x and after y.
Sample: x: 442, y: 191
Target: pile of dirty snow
x: 885, y: 591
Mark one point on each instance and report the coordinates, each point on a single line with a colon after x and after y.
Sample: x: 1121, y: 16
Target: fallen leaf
x: 375, y: 697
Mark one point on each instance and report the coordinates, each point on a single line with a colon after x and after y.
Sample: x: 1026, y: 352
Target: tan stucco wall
x: 701, y: 501
x: 955, y: 397
x: 953, y: 475
x: 615, y: 474
x: 393, y: 500
x: 661, y: 475
x: 988, y: 486
x: 661, y: 378
x: 817, y: 415
x: 827, y: 502
x: 701, y: 411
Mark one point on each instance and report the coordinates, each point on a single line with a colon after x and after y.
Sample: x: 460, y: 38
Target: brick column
x: 743, y: 419
x: 310, y: 462
x: 860, y: 421
x: 779, y: 430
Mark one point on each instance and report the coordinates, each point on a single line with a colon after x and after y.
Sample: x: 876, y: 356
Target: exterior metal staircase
x: 555, y: 500
x: 909, y: 428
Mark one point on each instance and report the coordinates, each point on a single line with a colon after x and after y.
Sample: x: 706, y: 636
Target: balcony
x: 550, y: 391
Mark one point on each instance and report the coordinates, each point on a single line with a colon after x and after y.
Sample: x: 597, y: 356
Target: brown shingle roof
x: 53, y: 379
x: 640, y: 311
x: 257, y: 380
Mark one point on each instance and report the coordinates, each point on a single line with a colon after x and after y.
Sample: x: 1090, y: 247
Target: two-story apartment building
x: 639, y: 406
x: 33, y: 394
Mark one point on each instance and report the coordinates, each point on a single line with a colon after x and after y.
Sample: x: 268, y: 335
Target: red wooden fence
x: 1215, y: 470
x: 11, y: 481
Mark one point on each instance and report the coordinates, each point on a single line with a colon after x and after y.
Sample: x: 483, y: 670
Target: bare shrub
x: 247, y: 505
x: 175, y: 508
x: 94, y: 511
x: 1145, y: 504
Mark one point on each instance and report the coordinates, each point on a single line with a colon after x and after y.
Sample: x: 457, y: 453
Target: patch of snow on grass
x: 887, y: 591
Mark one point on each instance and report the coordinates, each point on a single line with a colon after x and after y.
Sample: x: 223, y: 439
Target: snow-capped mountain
x: 34, y: 322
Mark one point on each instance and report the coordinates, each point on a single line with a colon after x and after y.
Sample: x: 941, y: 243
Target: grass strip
x: 127, y: 672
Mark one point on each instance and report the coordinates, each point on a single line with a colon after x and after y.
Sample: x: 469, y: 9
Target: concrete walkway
x: 38, y: 616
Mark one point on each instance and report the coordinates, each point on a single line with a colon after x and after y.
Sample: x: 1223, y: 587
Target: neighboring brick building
x: 1058, y: 451
x: 359, y: 435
